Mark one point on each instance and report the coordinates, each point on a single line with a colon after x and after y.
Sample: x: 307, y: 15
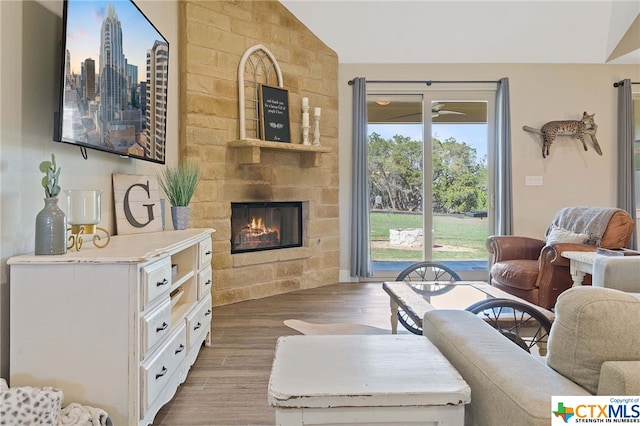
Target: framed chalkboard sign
x: 274, y: 113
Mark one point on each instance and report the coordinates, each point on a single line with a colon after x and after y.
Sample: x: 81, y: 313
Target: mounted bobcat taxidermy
x: 575, y: 128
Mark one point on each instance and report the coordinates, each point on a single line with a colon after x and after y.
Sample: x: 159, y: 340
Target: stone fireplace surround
x: 213, y: 38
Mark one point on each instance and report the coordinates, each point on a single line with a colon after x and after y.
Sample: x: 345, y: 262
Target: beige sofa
x: 617, y: 272
x: 594, y: 348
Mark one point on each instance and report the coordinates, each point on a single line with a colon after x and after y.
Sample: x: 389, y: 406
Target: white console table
x: 116, y: 328
x: 581, y: 263
x: 619, y: 272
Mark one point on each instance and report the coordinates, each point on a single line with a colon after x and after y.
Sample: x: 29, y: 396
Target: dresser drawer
x: 199, y: 321
x: 205, y: 251
x: 156, y: 280
x: 158, y: 369
x: 204, y: 282
x: 156, y: 324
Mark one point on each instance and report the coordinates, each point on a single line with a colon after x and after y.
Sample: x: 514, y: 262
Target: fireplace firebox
x: 259, y: 226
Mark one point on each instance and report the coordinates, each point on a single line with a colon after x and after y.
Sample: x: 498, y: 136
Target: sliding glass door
x: 429, y: 178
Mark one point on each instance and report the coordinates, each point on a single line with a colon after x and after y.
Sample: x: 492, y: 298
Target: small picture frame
x: 274, y: 114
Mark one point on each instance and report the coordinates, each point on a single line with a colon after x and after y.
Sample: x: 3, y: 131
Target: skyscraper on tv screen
x: 112, y: 64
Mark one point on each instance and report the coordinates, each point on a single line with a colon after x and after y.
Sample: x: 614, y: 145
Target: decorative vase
x: 180, y: 216
x: 51, y: 229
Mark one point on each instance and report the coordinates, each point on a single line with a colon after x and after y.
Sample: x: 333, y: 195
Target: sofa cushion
x: 619, y: 378
x: 508, y: 385
x: 593, y: 325
x: 519, y: 273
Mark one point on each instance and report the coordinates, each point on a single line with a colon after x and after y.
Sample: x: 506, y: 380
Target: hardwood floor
x: 227, y: 385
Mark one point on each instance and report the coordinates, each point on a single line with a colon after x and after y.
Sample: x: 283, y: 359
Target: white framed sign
x: 137, y: 204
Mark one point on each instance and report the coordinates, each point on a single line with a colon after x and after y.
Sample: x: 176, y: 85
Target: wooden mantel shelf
x: 249, y: 151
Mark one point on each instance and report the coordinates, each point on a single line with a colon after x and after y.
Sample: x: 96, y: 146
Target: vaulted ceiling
x: 475, y: 31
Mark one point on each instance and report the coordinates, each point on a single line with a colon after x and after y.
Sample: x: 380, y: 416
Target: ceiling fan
x: 437, y: 111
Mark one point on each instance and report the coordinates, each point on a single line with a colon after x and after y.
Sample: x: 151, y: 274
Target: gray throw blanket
x: 592, y: 221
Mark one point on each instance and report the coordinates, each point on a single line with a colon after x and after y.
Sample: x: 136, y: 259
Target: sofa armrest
x: 496, y: 369
x: 619, y: 378
x: 508, y: 247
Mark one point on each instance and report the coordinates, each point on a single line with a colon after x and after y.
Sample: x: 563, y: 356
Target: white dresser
x: 116, y: 328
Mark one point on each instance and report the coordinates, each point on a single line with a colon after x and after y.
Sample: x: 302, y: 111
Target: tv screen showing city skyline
x: 114, y: 80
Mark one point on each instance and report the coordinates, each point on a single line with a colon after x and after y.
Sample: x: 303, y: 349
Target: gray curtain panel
x: 626, y: 168
x: 360, y: 252
x: 503, y: 198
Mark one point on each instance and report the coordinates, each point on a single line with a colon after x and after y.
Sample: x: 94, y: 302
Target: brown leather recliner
x: 535, y: 271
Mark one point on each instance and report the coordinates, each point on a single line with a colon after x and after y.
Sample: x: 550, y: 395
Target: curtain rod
x: 621, y: 83
x: 427, y: 82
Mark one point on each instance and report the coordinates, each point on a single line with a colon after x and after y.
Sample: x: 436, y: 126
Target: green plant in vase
x: 179, y: 184
x: 51, y: 222
x: 51, y: 177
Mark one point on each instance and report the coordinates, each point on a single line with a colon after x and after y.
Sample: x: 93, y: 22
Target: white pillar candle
x: 84, y: 207
x: 305, y: 102
x: 305, y: 119
x: 316, y: 112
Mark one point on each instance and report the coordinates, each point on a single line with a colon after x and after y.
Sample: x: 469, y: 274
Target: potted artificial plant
x: 178, y: 184
x: 51, y: 222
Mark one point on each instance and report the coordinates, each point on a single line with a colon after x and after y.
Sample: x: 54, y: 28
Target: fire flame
x: 257, y: 225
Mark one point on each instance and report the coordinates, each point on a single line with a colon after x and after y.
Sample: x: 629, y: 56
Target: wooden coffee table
x: 526, y: 324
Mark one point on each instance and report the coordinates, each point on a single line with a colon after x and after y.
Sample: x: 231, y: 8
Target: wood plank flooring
x: 227, y: 385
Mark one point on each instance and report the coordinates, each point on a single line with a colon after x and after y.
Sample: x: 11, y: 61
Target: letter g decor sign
x: 137, y: 204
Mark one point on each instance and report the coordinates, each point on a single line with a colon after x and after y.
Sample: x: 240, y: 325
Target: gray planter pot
x: 51, y: 229
x: 180, y: 216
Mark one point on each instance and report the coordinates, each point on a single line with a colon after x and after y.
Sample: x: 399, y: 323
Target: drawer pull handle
x: 208, y: 282
x: 180, y: 349
x: 207, y: 313
x: 162, y: 372
x: 163, y: 282
x: 207, y: 253
x: 197, y: 326
x: 162, y: 327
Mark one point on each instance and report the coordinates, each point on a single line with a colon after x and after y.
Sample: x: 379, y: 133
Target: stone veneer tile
x: 214, y: 35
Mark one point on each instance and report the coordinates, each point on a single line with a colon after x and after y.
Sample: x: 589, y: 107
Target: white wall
x: 539, y: 93
x: 30, y: 37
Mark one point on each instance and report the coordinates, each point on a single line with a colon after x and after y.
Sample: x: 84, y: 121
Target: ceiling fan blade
x: 404, y: 116
x: 451, y: 113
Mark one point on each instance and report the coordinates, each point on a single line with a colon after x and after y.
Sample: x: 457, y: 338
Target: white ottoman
x: 365, y: 379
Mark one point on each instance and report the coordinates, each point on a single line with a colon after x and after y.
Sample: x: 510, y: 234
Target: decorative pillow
x: 29, y: 406
x: 593, y: 325
x: 560, y: 235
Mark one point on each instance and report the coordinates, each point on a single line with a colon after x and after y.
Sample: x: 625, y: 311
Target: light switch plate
x: 533, y: 180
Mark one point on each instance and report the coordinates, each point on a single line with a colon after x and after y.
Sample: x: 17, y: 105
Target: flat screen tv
x: 113, y: 85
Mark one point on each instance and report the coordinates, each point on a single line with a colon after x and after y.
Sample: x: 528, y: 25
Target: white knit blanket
x: 76, y: 414
x: 592, y: 221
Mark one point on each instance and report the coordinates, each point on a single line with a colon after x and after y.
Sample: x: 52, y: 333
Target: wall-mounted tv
x: 114, y: 79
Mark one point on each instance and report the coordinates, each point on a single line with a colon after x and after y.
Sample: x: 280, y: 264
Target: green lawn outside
x: 457, y: 237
